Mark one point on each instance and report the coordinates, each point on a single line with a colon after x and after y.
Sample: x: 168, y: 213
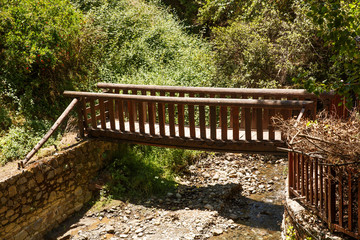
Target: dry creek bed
x: 223, y: 196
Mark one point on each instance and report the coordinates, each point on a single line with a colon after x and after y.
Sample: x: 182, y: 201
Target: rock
x: 110, y: 229
x: 209, y: 207
x: 217, y: 231
x: 178, y: 195
x: 216, y: 176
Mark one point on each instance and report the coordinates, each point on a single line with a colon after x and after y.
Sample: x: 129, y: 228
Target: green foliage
x: 5, y: 120
x: 143, y: 44
x: 140, y: 171
x: 19, y: 140
x: 263, y: 47
x: 338, y: 30
x: 40, y: 57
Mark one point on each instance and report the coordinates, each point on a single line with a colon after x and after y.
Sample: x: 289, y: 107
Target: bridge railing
x: 333, y: 192
x: 233, y: 93
x: 184, y: 117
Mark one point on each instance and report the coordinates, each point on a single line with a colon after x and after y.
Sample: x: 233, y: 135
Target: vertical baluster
x: 266, y: 116
x: 259, y: 123
x: 306, y: 178
x: 326, y: 193
x: 223, y: 122
x: 102, y: 113
x: 93, y: 113
x: 111, y: 114
x: 116, y: 104
x: 191, y: 118
x: 295, y: 171
x: 171, y: 116
x: 321, y: 172
x: 120, y: 104
x: 202, y: 121
x: 311, y: 181
x: 141, y: 117
x: 316, y: 184
x: 131, y: 109
x: 151, y: 109
x: 145, y: 104
x: 181, y: 117
x: 271, y: 126
x: 247, y: 124
x: 302, y: 176
x: 213, y: 122
x: 291, y: 174
x: 298, y: 171
x: 126, y: 106
x: 350, y: 200
x: 135, y: 111
x: 161, y: 115
x: 358, y: 198
x: 332, y: 200
x: 235, y: 122
x: 341, y: 201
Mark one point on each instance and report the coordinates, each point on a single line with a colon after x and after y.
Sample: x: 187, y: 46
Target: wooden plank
x: 316, y: 183
x: 120, y: 105
x: 331, y: 196
x: 126, y: 106
x: 171, y: 117
x: 311, y: 181
x: 53, y: 128
x: 247, y: 124
x: 102, y: 113
x: 249, y: 103
x: 134, y: 105
x: 358, y: 203
x: 350, y: 200
x: 295, y: 171
x: 235, y: 122
x: 131, y: 116
x: 191, y: 118
x: 341, y: 201
x: 161, y: 116
x: 111, y: 114
x: 306, y: 178
x: 259, y: 124
x: 291, y: 174
x: 271, y: 126
x: 93, y: 113
x: 298, y: 171
x: 151, y: 110
x: 213, y: 122
x: 116, y: 104
x: 223, y: 122
x: 202, y: 120
x: 321, y: 172
x: 266, y: 116
x: 181, y: 118
x: 302, y: 175
x: 254, y: 92
x: 141, y: 117
x: 144, y: 93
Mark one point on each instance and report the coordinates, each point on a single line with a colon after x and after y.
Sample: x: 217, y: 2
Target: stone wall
x: 49, y: 191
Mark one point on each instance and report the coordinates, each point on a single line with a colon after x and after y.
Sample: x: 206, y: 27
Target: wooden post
x: 291, y: 174
x: 54, y: 127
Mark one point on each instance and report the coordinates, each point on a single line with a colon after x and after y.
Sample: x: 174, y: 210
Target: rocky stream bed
x: 223, y: 196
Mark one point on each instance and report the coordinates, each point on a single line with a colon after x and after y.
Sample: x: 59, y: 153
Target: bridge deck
x: 229, y: 145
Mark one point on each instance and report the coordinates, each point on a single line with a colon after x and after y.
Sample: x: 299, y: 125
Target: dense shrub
x: 143, y: 44
x: 40, y: 53
x: 263, y: 48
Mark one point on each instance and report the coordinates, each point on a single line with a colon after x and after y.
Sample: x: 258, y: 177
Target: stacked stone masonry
x: 50, y: 190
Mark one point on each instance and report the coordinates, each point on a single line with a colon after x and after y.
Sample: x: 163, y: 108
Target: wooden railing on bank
x: 333, y: 192
x: 187, y: 118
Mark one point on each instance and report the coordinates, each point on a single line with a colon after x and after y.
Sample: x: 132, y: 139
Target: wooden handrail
x: 49, y: 133
x: 253, y: 103
x: 255, y: 92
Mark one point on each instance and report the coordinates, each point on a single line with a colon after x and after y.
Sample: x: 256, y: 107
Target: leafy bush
x: 41, y: 53
x: 262, y: 48
x: 144, y: 170
x: 5, y: 120
x: 19, y: 140
x: 143, y: 44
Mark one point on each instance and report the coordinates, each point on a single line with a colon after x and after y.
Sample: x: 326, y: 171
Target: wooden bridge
x: 212, y: 119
